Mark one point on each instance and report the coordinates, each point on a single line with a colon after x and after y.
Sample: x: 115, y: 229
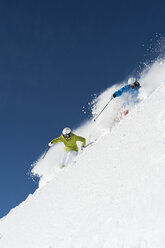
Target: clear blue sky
x: 53, y: 56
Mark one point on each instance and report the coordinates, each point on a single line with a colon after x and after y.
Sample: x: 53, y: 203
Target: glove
x: 50, y: 144
x: 113, y: 96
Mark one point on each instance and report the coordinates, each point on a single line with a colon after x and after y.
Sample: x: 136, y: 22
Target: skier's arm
x: 56, y: 140
x: 83, y: 140
x: 121, y: 91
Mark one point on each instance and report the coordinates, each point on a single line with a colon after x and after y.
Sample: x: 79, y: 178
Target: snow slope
x: 113, y: 195
x: 150, y: 79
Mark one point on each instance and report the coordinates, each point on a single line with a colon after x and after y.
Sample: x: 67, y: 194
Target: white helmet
x: 66, y: 132
x: 131, y: 81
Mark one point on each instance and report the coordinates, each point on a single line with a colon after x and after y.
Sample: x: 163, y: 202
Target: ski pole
x: 46, y: 152
x: 89, y: 144
x: 102, y: 109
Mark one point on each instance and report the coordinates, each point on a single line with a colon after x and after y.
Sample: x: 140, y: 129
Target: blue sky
x: 53, y: 56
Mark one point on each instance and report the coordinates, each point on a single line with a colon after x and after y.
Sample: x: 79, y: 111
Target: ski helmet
x: 66, y: 132
x: 131, y: 81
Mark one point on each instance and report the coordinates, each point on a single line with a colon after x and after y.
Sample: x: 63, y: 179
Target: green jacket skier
x: 69, y: 139
x: 69, y: 142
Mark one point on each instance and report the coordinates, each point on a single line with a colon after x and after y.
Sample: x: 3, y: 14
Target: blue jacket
x: 132, y: 93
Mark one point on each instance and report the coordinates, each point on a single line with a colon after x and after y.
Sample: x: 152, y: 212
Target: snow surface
x: 112, y: 196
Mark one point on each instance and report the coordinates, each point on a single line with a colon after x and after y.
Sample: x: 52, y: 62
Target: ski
x: 90, y: 143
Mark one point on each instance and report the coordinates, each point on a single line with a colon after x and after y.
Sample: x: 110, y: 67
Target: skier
x: 71, y: 149
x: 130, y: 95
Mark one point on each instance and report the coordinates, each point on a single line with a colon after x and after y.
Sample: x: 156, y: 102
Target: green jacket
x: 70, y: 144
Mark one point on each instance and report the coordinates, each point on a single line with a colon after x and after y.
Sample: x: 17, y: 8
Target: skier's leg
x: 63, y: 161
x: 126, y: 112
x: 119, y: 114
x: 70, y: 156
x: 123, y: 111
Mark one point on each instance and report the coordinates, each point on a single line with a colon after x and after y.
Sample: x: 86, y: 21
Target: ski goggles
x: 135, y: 84
x: 67, y: 135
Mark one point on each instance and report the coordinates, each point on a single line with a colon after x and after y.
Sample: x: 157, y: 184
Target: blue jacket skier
x: 130, y: 92
x: 130, y: 96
